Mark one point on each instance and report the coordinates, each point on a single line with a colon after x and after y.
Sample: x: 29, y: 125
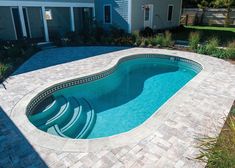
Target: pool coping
x: 133, y: 136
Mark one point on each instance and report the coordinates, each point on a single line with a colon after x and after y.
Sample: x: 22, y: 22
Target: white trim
x: 13, y: 22
x: 45, y: 4
x: 181, y: 6
x: 72, y: 19
x: 94, y: 13
x: 46, y: 34
x: 22, y: 21
x: 151, y: 15
x: 27, y: 16
x: 172, y: 14
x: 129, y: 15
x: 111, y: 13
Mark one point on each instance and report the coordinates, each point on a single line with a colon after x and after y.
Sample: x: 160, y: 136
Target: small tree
x: 203, y: 6
x: 227, y: 4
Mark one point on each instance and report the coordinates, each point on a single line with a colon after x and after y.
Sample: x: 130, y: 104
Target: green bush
x: 211, y: 46
x: 153, y: 41
x: 231, y: 50
x: 4, y: 69
x: 14, y: 52
x: 162, y: 40
x: 159, y: 40
x: 194, y: 39
x: 167, y: 42
x: 147, y: 42
x: 137, y: 40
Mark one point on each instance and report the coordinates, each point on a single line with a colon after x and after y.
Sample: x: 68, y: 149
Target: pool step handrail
x: 42, y: 117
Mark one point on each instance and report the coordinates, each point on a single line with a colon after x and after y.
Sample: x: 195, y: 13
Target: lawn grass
x: 231, y: 29
x: 224, y: 34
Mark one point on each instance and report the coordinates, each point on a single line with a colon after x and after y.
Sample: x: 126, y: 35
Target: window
x: 170, y: 12
x: 107, y: 14
x: 147, y: 13
x: 48, y: 14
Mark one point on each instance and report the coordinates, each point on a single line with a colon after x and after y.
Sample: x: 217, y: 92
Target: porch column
x: 72, y: 19
x: 46, y: 34
x: 93, y: 13
x: 22, y: 21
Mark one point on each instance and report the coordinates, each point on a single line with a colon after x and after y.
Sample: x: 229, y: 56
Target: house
x: 41, y: 19
x: 132, y: 15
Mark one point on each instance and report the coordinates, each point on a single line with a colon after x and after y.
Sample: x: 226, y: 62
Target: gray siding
x: 60, y: 22
x: 7, y: 31
x: 160, y: 14
x: 35, y: 22
x: 119, y: 12
x: 85, y: 1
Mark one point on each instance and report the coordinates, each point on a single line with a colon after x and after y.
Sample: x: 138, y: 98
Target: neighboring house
x: 132, y: 15
x: 42, y: 19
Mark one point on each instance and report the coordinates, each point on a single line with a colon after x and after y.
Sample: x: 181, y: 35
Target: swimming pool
x: 113, y: 101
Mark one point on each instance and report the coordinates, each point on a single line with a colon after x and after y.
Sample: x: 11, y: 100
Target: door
x: 148, y: 16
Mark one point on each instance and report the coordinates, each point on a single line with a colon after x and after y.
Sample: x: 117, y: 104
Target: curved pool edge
x: 89, y: 145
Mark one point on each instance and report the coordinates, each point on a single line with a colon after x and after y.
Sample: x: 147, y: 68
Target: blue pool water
x: 117, y: 103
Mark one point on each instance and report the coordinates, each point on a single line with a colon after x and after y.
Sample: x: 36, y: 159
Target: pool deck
x: 167, y: 139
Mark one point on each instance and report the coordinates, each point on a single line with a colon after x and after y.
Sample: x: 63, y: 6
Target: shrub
x: 231, y: 50
x: 116, y: 32
x: 153, y: 41
x: 212, y: 45
x: 194, y: 39
x: 211, y: 48
x: 56, y: 38
x: 136, y: 38
x: 4, y: 69
x: 127, y: 40
x: 167, y: 42
x: 147, y: 32
x: 14, y: 52
x: 159, y: 39
x: 147, y: 42
x: 220, y: 53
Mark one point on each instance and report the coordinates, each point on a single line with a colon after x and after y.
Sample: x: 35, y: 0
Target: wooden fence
x: 192, y: 16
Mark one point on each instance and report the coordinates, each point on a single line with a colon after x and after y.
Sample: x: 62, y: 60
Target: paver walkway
x: 199, y: 109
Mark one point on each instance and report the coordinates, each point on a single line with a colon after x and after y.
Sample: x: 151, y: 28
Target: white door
x: 148, y: 15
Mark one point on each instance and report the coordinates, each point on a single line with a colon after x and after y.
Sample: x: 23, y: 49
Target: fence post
x: 186, y: 20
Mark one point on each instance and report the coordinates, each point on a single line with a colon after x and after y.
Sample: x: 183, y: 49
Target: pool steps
x: 75, y: 118
x: 91, y: 117
x: 41, y: 118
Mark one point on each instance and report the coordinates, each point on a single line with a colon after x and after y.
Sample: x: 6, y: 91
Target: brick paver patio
x: 168, y: 138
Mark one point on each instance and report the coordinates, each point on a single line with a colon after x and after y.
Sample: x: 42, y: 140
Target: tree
x: 203, y: 5
x: 227, y: 4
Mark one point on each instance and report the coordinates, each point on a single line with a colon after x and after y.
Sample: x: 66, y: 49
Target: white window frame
x: 111, y: 13
x: 171, y: 14
x: 13, y: 22
x: 27, y: 17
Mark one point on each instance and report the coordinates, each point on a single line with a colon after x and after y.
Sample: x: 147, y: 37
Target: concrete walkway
x: 197, y: 109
